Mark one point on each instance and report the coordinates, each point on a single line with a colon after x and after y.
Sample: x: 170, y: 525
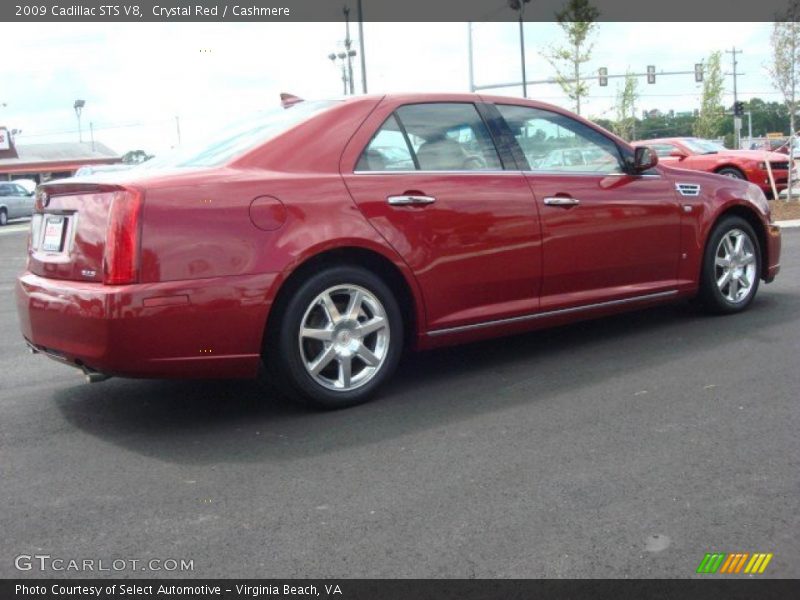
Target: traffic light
x: 698, y: 72
x: 651, y: 74
x: 738, y: 108
x: 602, y: 75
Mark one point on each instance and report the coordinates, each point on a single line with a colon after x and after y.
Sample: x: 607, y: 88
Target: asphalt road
x: 627, y: 447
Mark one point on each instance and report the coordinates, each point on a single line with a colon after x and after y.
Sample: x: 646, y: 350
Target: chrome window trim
x: 423, y: 172
x: 508, y: 172
x: 551, y: 313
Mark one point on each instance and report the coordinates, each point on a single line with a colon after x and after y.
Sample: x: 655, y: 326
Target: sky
x: 136, y: 78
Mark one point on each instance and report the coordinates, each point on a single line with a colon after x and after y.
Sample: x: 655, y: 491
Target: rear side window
x: 432, y: 137
x: 389, y: 150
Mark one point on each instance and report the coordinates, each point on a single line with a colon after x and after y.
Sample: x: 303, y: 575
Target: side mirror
x: 679, y: 154
x: 644, y: 158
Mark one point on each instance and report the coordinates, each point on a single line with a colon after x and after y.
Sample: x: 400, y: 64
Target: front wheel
x: 732, y: 173
x: 338, y: 339
x: 3, y: 217
x: 731, y: 267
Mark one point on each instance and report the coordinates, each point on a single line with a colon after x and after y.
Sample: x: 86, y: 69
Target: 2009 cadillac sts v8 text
x: 328, y: 236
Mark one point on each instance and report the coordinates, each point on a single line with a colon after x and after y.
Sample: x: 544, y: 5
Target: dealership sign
x: 5, y: 140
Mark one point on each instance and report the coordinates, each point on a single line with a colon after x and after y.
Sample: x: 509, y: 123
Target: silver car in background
x: 15, y: 202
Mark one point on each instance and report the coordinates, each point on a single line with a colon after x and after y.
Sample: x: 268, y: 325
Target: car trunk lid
x: 86, y: 231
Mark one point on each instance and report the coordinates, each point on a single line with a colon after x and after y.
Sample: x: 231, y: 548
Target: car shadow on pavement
x: 205, y: 422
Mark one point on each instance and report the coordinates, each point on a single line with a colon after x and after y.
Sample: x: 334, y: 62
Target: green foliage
x: 785, y: 68
x: 578, y: 21
x: 627, y: 95
x: 712, y: 114
x: 768, y: 117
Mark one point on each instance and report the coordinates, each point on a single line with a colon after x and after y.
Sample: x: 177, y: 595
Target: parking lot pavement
x: 627, y: 447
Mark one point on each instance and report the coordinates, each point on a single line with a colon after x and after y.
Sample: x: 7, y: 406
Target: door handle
x: 410, y: 200
x: 561, y: 201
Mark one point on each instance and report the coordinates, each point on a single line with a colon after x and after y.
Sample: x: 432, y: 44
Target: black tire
x: 285, y: 355
x: 731, y: 172
x: 3, y: 217
x: 712, y: 297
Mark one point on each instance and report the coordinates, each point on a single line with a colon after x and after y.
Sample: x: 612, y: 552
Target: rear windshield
x: 240, y: 137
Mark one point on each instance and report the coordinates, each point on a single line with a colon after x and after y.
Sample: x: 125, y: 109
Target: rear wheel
x: 338, y: 339
x: 731, y: 267
x: 3, y: 217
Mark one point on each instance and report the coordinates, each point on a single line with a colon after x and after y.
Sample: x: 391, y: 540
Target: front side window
x: 554, y: 142
x: 432, y: 137
x: 700, y: 146
x: 663, y: 150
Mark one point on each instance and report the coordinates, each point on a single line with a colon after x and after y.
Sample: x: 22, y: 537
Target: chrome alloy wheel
x: 735, y: 266
x: 344, y: 337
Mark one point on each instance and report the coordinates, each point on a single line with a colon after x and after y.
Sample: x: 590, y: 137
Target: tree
x: 785, y: 68
x: 712, y: 114
x: 578, y: 21
x: 627, y: 95
x: 134, y: 157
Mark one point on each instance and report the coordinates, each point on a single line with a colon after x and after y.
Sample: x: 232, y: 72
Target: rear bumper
x: 195, y: 328
x: 773, y: 252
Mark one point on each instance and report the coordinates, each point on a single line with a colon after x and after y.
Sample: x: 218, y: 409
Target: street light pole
x: 469, y: 54
x: 519, y: 5
x: 78, y: 106
x: 737, y: 121
x: 361, y: 49
x: 347, y: 44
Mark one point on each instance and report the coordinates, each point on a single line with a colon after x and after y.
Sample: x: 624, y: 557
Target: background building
x: 42, y: 162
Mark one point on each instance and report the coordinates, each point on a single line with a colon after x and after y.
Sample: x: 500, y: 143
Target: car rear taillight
x: 121, y: 262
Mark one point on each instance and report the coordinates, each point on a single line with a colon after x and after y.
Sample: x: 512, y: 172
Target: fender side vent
x: 688, y: 189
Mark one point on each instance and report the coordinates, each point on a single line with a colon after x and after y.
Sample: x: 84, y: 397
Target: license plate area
x: 55, y: 229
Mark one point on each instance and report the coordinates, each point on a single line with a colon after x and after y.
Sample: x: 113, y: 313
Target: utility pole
x: 361, y: 49
x: 750, y: 126
x: 469, y: 54
x: 91, y: 133
x: 737, y: 121
x: 178, y: 128
x: 519, y: 5
x: 347, y: 43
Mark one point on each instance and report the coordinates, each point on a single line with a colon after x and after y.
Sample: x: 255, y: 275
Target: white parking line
x: 22, y: 227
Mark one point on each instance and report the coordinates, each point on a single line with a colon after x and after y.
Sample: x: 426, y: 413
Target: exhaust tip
x: 91, y: 376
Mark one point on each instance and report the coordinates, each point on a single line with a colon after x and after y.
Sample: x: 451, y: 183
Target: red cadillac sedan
x: 327, y: 237
x: 706, y: 155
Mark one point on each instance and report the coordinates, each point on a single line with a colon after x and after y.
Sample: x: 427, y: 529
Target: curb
x: 788, y: 224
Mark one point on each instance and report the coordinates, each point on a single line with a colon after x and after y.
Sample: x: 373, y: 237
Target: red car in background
x: 705, y: 155
x: 327, y: 237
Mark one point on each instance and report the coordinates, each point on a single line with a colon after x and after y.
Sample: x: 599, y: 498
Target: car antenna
x: 288, y: 100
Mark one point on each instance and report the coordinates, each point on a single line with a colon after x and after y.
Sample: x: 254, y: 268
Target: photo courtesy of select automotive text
x: 400, y: 300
